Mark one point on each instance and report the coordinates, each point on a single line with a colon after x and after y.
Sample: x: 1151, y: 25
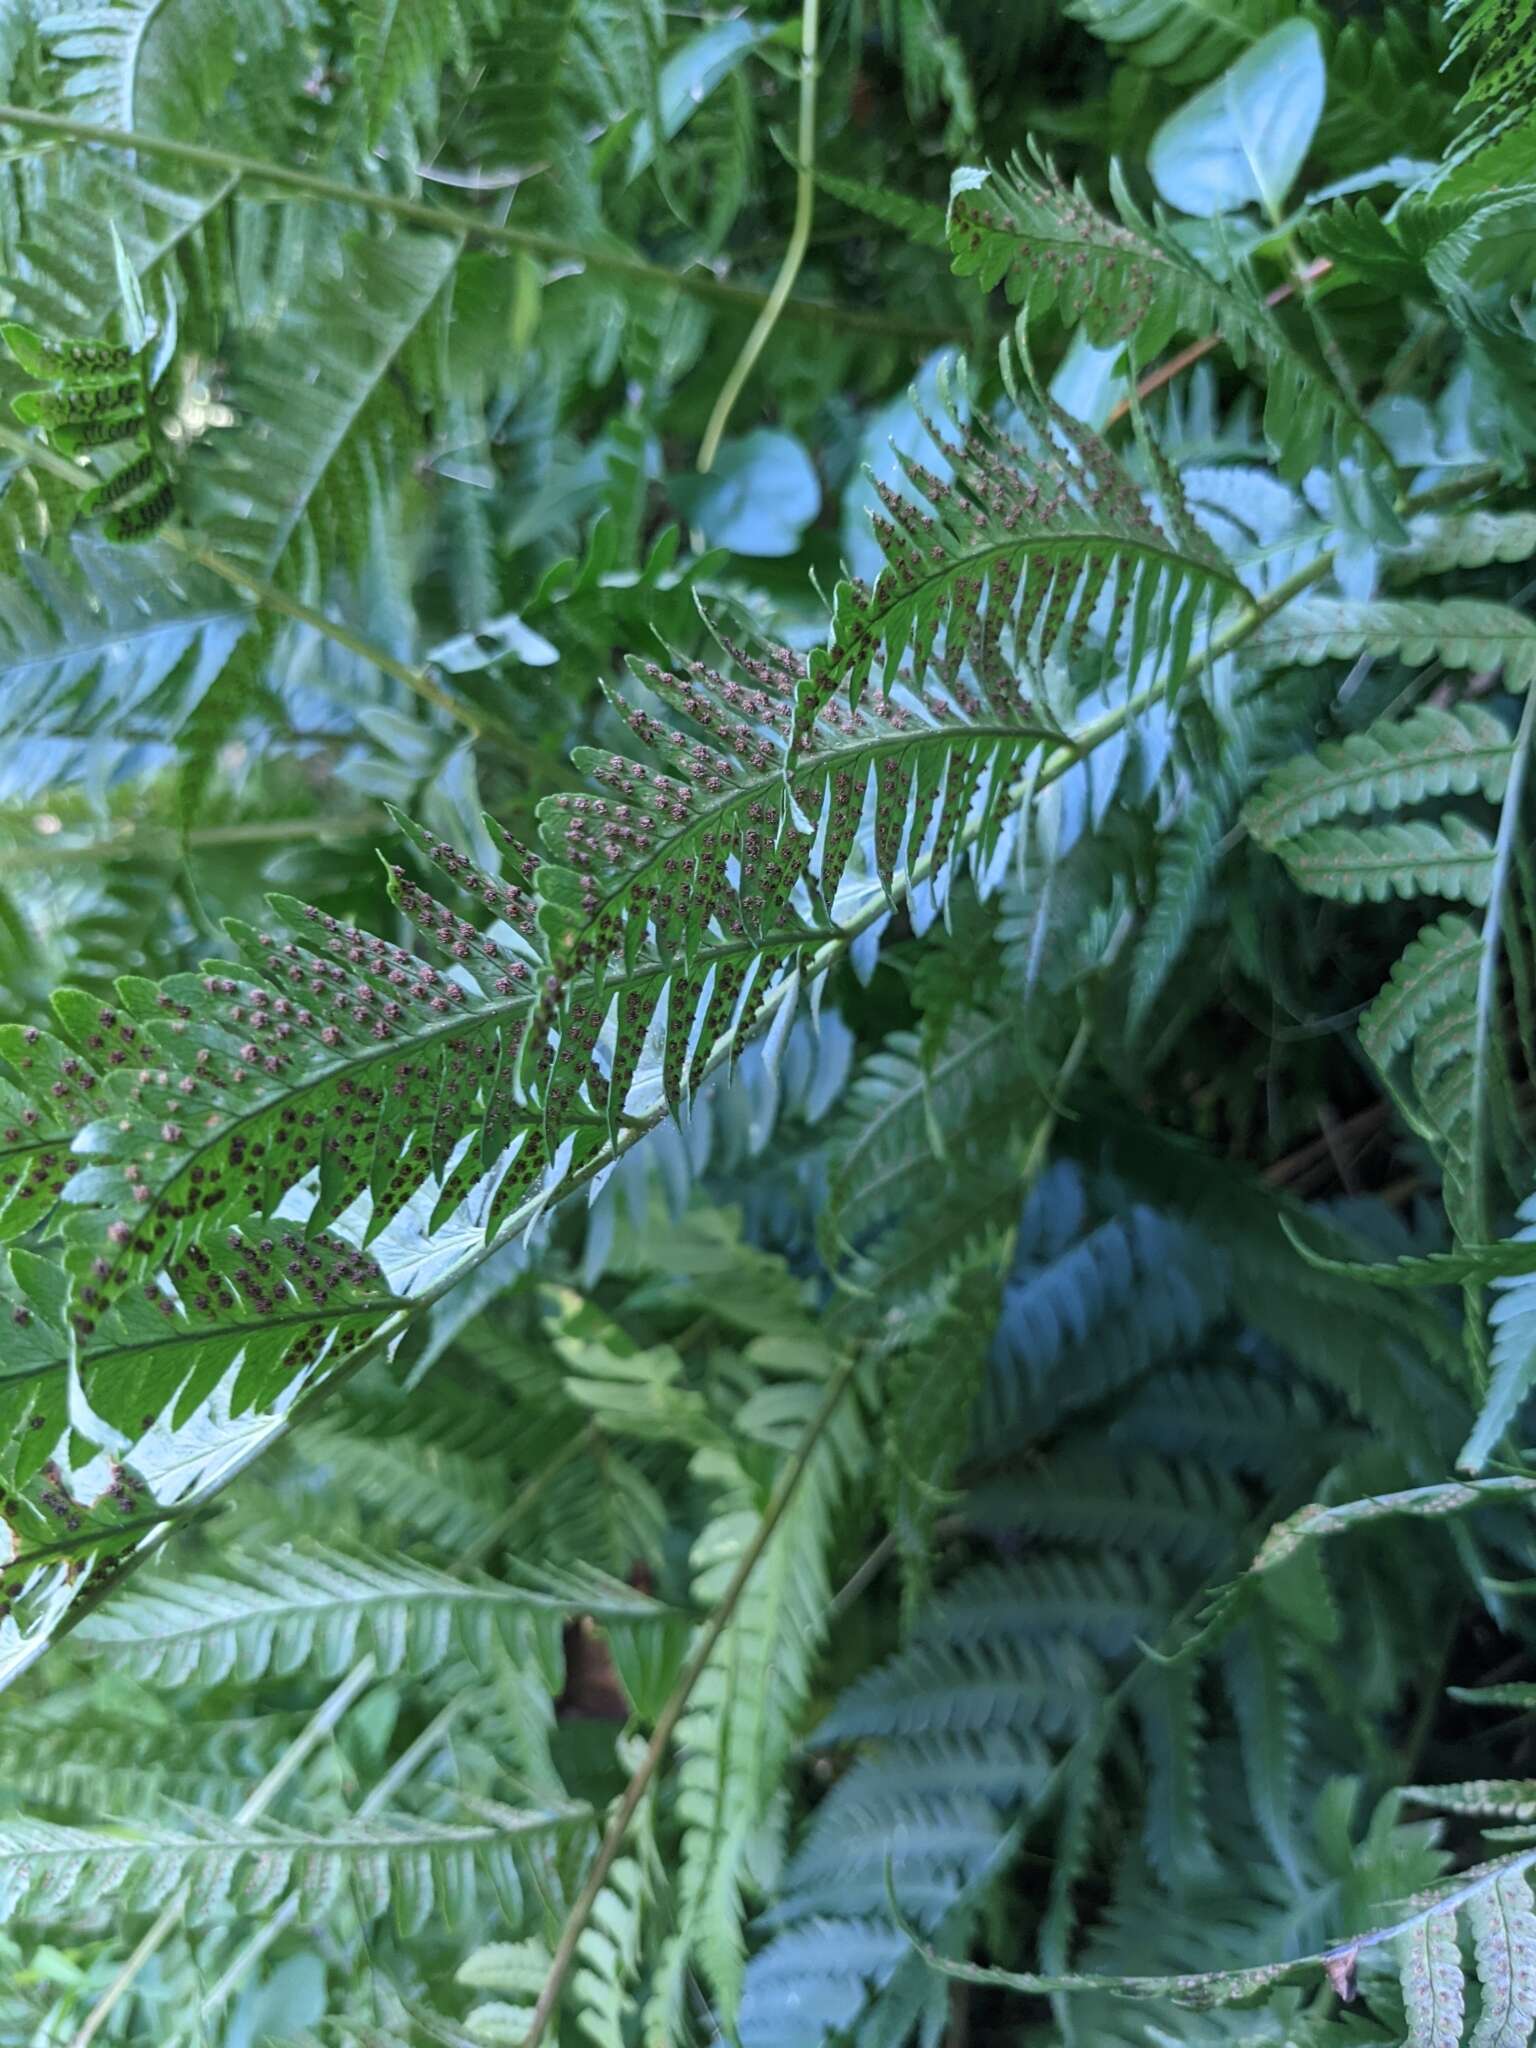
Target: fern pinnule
x: 50, y: 1872
x: 1458, y: 632
x: 1449, y: 857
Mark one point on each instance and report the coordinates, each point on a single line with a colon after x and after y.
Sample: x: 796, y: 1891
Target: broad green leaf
x: 1243, y: 138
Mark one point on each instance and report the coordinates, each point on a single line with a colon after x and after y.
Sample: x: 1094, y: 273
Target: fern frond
x: 1455, y: 751
x: 975, y: 1688
x: 402, y: 41
x: 1015, y: 555
x: 416, y: 1867
x: 1126, y: 279
x: 318, y: 1609
x: 1181, y: 1511
x: 1458, y: 632
x: 92, y: 675
x: 1450, y: 858
x: 324, y: 421
x: 1185, y: 42
x: 1088, y: 1308
x: 1512, y: 1363
x: 273, y: 1306
x: 1441, y: 541
x: 903, y: 1112
x: 1436, y: 975
x: 744, y: 1714
x: 1496, y: 147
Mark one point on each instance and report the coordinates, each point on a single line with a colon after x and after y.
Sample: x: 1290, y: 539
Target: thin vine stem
x: 677, y: 1700
x: 794, y: 252
x: 696, y: 283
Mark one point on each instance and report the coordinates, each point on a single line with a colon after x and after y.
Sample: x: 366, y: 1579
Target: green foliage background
x: 767, y: 987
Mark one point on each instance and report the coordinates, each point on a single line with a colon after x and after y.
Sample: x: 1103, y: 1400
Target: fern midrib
x: 178, y: 1339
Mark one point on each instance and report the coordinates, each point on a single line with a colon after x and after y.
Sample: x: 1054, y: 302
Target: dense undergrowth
x: 767, y: 999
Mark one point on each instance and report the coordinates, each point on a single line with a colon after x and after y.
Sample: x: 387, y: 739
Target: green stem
x: 667, y: 1720
x: 697, y: 283
x: 419, y: 681
x: 151, y: 842
x: 1491, y: 953
x: 794, y: 253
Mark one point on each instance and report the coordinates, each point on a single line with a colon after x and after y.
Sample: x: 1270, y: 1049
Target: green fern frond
x: 904, y: 1111
x: 401, y: 41
x: 1372, y: 864
x: 1497, y: 145
x: 1459, y: 750
x: 416, y: 1867
x: 1496, y: 1901
x: 318, y: 1609
x: 324, y: 410
x: 744, y: 1714
x: 1458, y: 632
x: 1010, y: 561
x: 273, y: 1306
x: 1179, y: 1510
x: 1512, y: 1363
x: 1126, y: 279
x: 972, y: 1688
x: 1436, y: 975
x: 1439, y: 542
x: 1185, y: 42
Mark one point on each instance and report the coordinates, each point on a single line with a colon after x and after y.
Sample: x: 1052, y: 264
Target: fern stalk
x: 695, y: 283
x: 672, y: 1712
x: 1488, y: 965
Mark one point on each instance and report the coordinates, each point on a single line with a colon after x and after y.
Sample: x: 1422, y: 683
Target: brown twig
x: 1186, y: 357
